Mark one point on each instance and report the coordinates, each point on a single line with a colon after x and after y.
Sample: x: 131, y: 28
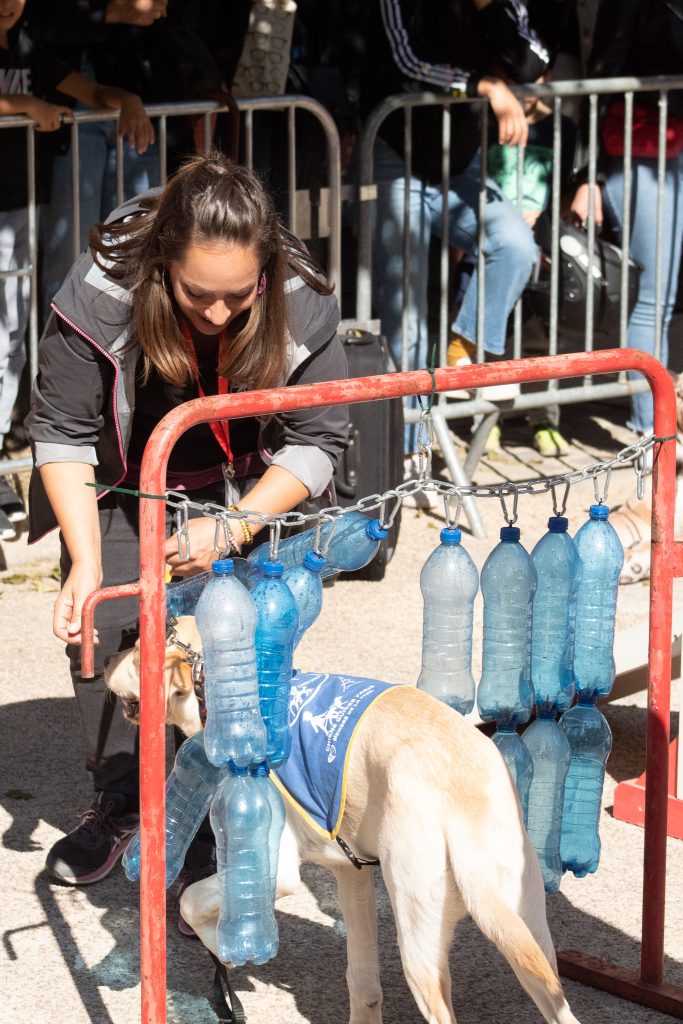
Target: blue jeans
x: 14, y: 309
x: 641, y: 325
x: 97, y: 181
x: 509, y: 250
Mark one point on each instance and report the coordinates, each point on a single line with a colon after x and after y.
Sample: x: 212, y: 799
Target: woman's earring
x: 262, y: 283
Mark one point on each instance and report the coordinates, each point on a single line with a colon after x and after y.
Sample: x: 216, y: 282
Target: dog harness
x: 325, y: 710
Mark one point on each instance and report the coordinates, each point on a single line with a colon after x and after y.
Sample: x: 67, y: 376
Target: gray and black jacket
x: 83, y: 398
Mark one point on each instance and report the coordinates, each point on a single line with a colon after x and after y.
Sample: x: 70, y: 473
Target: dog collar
x: 192, y: 658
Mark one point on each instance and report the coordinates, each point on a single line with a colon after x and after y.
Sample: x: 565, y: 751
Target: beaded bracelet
x: 246, y: 530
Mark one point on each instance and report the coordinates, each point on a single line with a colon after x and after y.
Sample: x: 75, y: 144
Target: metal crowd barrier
x: 161, y: 114
x: 448, y: 408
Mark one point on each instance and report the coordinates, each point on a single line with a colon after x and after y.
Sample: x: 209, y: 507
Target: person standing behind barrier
x: 413, y: 48
x: 639, y: 37
x: 150, y: 47
x: 193, y: 289
x: 28, y: 72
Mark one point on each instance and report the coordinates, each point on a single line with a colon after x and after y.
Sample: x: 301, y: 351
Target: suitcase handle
x: 355, y: 337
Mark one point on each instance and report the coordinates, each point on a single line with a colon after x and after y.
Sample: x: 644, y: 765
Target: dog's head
x: 122, y: 676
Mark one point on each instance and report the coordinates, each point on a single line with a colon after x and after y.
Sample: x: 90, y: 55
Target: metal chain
x: 634, y: 454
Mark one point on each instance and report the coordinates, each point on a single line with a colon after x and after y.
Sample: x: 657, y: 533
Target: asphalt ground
x: 71, y: 956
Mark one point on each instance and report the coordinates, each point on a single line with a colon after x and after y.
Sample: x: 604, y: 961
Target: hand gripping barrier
x: 648, y: 987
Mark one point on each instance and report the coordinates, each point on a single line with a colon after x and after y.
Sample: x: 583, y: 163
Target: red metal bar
x: 152, y: 635
x: 629, y: 798
x: 88, y: 621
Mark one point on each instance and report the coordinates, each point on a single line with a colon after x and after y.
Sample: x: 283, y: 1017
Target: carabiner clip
x: 600, y: 499
x: 565, y: 498
x: 509, y: 489
x: 222, y: 530
x: 182, y: 519
x: 452, y: 523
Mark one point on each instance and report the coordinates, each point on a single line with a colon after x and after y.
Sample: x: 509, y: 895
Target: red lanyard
x: 219, y: 428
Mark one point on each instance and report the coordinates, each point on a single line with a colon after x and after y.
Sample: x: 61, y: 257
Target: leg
x: 200, y: 905
x: 14, y: 304
x: 56, y: 223
x: 509, y: 250
x: 111, y: 746
x: 357, y: 900
x: 643, y: 249
x: 140, y: 172
x: 388, y: 265
x: 427, y: 908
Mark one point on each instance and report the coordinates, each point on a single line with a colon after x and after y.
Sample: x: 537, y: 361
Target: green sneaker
x: 493, y: 444
x: 548, y: 441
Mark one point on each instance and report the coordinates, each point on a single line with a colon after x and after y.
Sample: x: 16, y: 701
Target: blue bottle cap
x: 509, y: 533
x: 598, y: 511
x: 272, y: 570
x: 450, y: 535
x: 375, y: 531
x: 314, y: 561
x: 223, y: 567
x: 234, y: 769
x: 558, y: 524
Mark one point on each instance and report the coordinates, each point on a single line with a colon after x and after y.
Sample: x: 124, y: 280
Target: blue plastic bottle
x: 306, y: 585
x: 550, y: 754
x: 449, y: 582
x: 226, y: 620
x: 261, y: 773
x: 508, y: 582
x: 519, y: 763
x: 590, y: 740
x: 558, y: 574
x: 241, y: 820
x: 190, y: 788
x: 355, y: 542
x: 602, y: 557
x: 278, y: 621
x: 182, y: 595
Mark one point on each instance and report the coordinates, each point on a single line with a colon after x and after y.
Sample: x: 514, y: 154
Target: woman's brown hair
x: 209, y: 200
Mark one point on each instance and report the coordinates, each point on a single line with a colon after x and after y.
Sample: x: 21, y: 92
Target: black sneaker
x: 10, y: 502
x: 89, y: 853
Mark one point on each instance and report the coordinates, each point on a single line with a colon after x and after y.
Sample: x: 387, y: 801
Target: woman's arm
x: 276, y: 492
x: 75, y: 506
x: 133, y: 120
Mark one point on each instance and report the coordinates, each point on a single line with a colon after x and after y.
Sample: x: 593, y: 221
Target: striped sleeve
x: 444, y: 76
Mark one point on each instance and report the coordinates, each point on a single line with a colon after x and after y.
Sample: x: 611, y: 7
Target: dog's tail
x: 476, y: 878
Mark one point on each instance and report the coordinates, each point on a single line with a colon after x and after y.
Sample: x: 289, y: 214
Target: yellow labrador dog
x: 430, y: 797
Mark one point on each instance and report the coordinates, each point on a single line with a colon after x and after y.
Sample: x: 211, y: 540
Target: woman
x: 192, y: 290
x: 640, y: 38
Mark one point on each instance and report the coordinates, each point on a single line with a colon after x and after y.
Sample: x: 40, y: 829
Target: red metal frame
x: 648, y: 987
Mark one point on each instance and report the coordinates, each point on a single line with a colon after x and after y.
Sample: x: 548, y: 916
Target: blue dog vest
x: 324, y: 713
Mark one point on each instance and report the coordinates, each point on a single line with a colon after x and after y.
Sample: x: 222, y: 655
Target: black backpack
x: 573, y: 282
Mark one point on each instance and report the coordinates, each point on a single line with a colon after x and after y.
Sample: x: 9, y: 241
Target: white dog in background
x: 431, y: 798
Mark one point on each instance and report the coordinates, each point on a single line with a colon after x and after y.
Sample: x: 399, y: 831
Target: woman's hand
x: 47, y: 116
x: 66, y: 620
x: 579, y: 207
x: 135, y: 124
x: 513, y: 129
x: 202, y: 552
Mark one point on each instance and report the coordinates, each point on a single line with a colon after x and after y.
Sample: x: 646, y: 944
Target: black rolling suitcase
x: 373, y: 462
